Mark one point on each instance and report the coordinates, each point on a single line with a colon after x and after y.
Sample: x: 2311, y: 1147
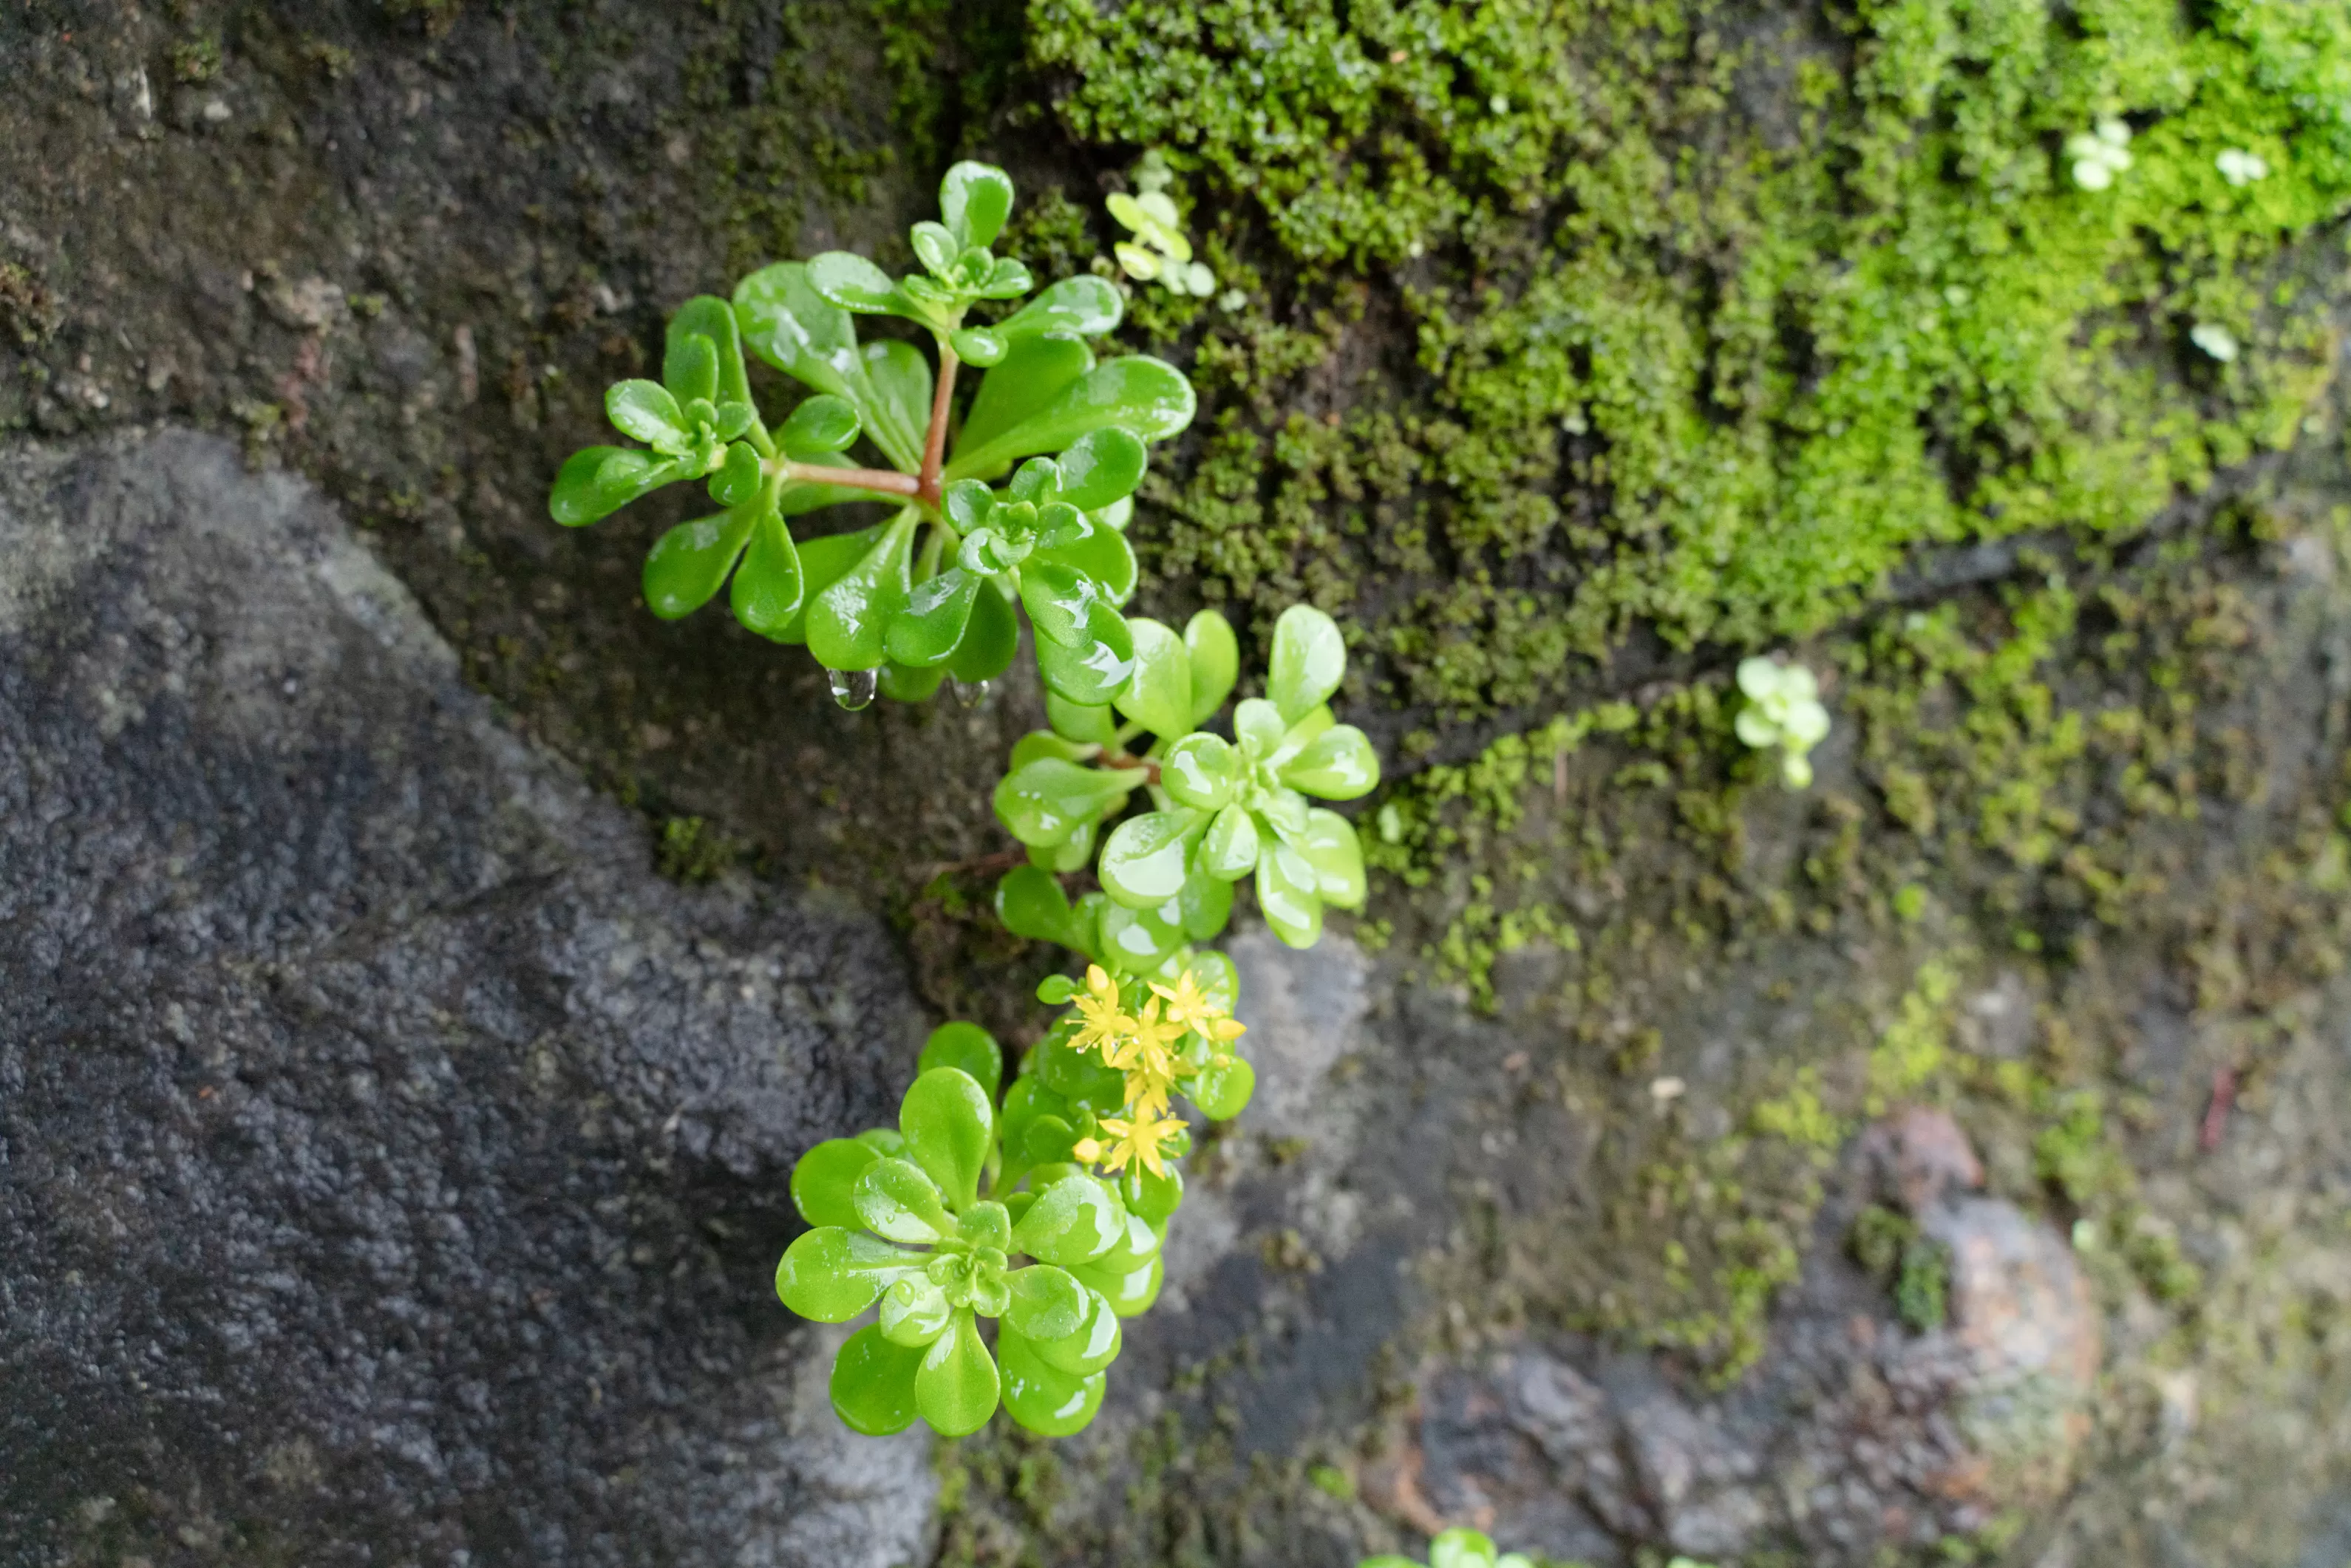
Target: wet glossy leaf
x: 646, y: 410
x: 901, y: 683
x: 900, y: 380
x: 1084, y: 306
x: 948, y: 1122
x: 1045, y: 802
x: 738, y: 477
x: 1094, y: 1344
x: 820, y: 425
x: 967, y: 1048
x: 1229, y: 850
x: 1207, y: 905
x: 1101, y: 466
x: 1287, y: 893
x: 978, y: 346
x: 1079, y: 1078
x: 1065, y: 605
x: 873, y: 1384
x: 824, y: 1182
x: 1106, y: 557
x: 896, y: 1200
x: 1135, y: 941
x: 1337, y: 765
x: 849, y: 281
x: 785, y: 323
x: 1215, y: 657
x: 1079, y: 722
x: 1072, y: 1222
x: 690, y: 367
x: 686, y: 566
x: 1198, y: 771
x: 707, y: 315
x: 831, y: 1275
x: 1138, y: 393
x: 1461, y: 1548
x: 1158, y: 695
x: 761, y: 584
x: 597, y: 481
x: 1330, y: 846
x: 931, y: 625
x: 1130, y: 1291
x: 955, y: 1387
x: 1091, y: 673
x: 1309, y: 658
x: 1032, y: 373
x: 915, y: 1312
x: 849, y: 622
x: 975, y: 199
x: 1042, y: 1397
x: 1039, y: 744
x: 1007, y: 279
x: 936, y: 246
x: 991, y: 638
x: 1143, y: 863
x: 1223, y: 1093
x: 1047, y: 1303
x: 1029, y: 903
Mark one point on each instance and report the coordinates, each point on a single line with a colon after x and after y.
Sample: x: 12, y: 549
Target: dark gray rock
x: 391, y: 1166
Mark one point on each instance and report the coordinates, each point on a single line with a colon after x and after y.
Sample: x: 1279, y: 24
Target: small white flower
x: 2099, y: 153
x: 2214, y: 339
x: 1498, y: 104
x: 1783, y: 709
x: 2241, y: 168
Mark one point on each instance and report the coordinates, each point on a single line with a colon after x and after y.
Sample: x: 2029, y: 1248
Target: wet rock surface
x: 392, y: 1165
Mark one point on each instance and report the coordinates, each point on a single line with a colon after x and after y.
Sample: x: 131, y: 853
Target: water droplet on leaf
x: 853, y: 689
x: 970, y: 694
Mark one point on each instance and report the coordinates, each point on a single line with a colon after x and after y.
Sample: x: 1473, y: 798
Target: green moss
x: 691, y: 850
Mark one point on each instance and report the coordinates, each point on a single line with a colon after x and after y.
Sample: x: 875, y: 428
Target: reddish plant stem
x: 2216, y: 1111
x: 1119, y: 761
x: 887, y: 480
x: 934, y: 447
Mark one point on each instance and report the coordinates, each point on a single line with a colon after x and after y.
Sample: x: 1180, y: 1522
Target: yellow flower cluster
x: 1142, y: 1046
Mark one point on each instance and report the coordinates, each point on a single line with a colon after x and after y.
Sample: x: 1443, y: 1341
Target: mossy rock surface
x: 1578, y: 349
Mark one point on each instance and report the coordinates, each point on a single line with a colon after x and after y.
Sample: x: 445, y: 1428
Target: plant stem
x: 935, y: 448
x: 889, y: 481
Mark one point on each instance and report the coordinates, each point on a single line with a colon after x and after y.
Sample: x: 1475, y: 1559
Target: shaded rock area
x: 392, y: 1166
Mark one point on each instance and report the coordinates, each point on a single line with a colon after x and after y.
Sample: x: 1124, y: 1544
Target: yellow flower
x: 1195, y: 1011
x: 1138, y: 1139
x: 1105, y: 1024
x: 1145, y: 1058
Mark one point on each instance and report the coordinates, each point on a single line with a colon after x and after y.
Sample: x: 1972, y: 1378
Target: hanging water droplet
x: 853, y: 689
x: 970, y: 694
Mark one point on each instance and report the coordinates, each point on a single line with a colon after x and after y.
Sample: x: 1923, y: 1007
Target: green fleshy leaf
x: 831, y: 1275
x: 1144, y: 862
x: 978, y: 346
x: 785, y: 323
x: 822, y: 424
x: 991, y: 638
x: 975, y: 199
x: 955, y: 1387
x: 900, y: 379
x: 1104, y: 556
x: 1101, y: 466
x: 873, y: 1384
x: 1130, y: 1291
x: 1029, y: 903
x: 1229, y: 851
x: 1337, y: 765
x: 1043, y: 743
x: 1207, y: 905
x: 931, y: 625
x: 769, y: 595
x: 1217, y: 978
x: 686, y: 565
x: 884, y: 1141
x: 1199, y: 771
x: 936, y: 246
x: 1032, y: 373
x: 1287, y: 896
x: 1094, y: 725
x: 819, y: 563
x: 1257, y: 721
x: 1074, y: 854
x: 1048, y: 1140
x: 1330, y: 846
x: 1042, y: 1397
x: 1145, y: 396
x: 1136, y: 941
x: 1079, y: 1077
x: 1009, y: 278
x: 1461, y: 1548
x: 824, y: 1182
x: 1158, y: 695
x: 1092, y: 1347
x: 708, y: 315
x: 915, y: 1312
x: 1028, y: 1103
x: 646, y: 411
x: 1152, y: 1197
x: 1084, y: 306
x: 1309, y: 659
x: 1046, y: 1303
x: 967, y: 1048
x: 1092, y: 673
x: 1068, y: 607
x: 896, y: 1200
x: 690, y: 367
x: 986, y: 1224
x: 1215, y: 657
x: 849, y: 282
x: 1046, y: 802
x: 849, y: 622
x: 738, y: 477
x: 1223, y: 1093
x: 1137, y: 1240
x: 1072, y: 1222
x: 597, y: 481
x: 949, y: 1122
x: 903, y: 685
